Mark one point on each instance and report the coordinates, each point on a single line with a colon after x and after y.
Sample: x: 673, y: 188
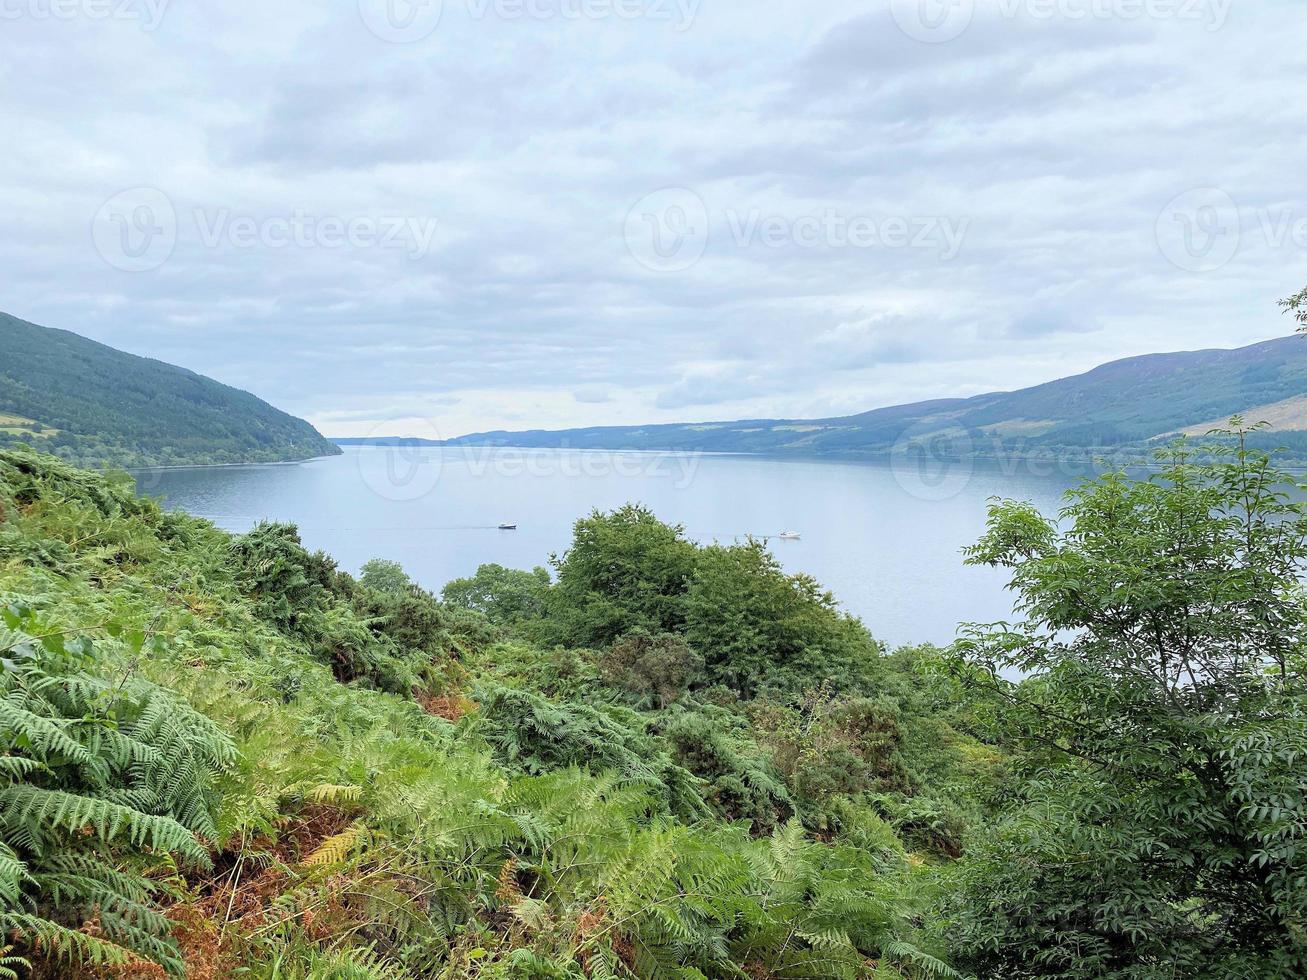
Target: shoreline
x: 207, y: 466
x: 1296, y: 465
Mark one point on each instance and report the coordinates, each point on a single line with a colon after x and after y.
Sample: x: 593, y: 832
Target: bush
x: 652, y: 671
x: 538, y: 736
x: 741, y: 784
x: 760, y: 629
x: 1161, y: 724
x: 503, y: 595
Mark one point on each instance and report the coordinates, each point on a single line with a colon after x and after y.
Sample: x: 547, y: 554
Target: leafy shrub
x: 827, y: 745
x: 652, y: 671
x: 353, y: 833
x: 559, y: 673
x: 741, y: 784
x: 540, y: 736
x: 382, y: 637
x: 760, y: 629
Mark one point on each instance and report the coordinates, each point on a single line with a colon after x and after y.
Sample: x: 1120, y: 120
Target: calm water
x: 884, y: 537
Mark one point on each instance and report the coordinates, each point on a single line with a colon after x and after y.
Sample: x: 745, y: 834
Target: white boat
x: 508, y: 527
x: 790, y: 535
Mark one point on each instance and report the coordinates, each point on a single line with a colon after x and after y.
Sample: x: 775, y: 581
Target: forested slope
x: 1125, y: 406
x: 87, y: 402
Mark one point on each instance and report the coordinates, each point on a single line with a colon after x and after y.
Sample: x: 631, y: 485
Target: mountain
x: 1128, y: 405
x: 95, y: 405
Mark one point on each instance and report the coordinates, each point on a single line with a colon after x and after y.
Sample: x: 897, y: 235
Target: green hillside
x: 86, y: 402
x: 1124, y: 405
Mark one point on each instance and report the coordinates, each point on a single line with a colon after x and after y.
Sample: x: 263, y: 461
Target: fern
x: 337, y: 848
x: 9, y: 964
x: 101, y: 778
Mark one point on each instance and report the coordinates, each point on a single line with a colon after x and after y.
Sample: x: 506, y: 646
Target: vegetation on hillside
x: 1122, y: 410
x: 97, y: 406
x: 223, y: 756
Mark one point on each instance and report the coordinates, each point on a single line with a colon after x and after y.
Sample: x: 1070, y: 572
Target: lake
x: 884, y: 536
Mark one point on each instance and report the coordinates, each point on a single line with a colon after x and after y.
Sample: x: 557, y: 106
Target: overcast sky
x: 433, y: 218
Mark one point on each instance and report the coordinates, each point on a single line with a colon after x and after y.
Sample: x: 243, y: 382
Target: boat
x: 789, y: 535
x: 508, y: 527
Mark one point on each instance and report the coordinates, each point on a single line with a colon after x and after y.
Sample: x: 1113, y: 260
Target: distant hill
x: 1128, y: 405
x: 95, y: 405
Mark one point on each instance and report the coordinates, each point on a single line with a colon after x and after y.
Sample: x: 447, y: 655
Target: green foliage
x: 625, y: 571
x: 99, y: 406
x: 384, y: 637
x: 1296, y: 306
x: 741, y: 782
x: 559, y: 673
x: 385, y: 576
x: 391, y: 786
x: 652, y: 671
x: 502, y: 595
x: 538, y: 735
x: 102, y: 781
x: 760, y: 629
x: 1162, y: 719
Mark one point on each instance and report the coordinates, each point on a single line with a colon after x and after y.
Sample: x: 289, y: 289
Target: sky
x: 428, y: 218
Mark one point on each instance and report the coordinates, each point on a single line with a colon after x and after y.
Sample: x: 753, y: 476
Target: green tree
x: 756, y: 626
x: 1163, y: 723
x: 503, y: 595
x: 385, y: 576
x: 625, y: 570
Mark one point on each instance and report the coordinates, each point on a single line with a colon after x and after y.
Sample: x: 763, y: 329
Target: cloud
x: 594, y: 395
x: 1050, y: 143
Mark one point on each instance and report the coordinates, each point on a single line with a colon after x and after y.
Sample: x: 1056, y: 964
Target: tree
x: 1163, y: 724
x: 1297, y: 306
x: 756, y: 626
x: 625, y: 570
x: 385, y: 576
x: 503, y: 595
